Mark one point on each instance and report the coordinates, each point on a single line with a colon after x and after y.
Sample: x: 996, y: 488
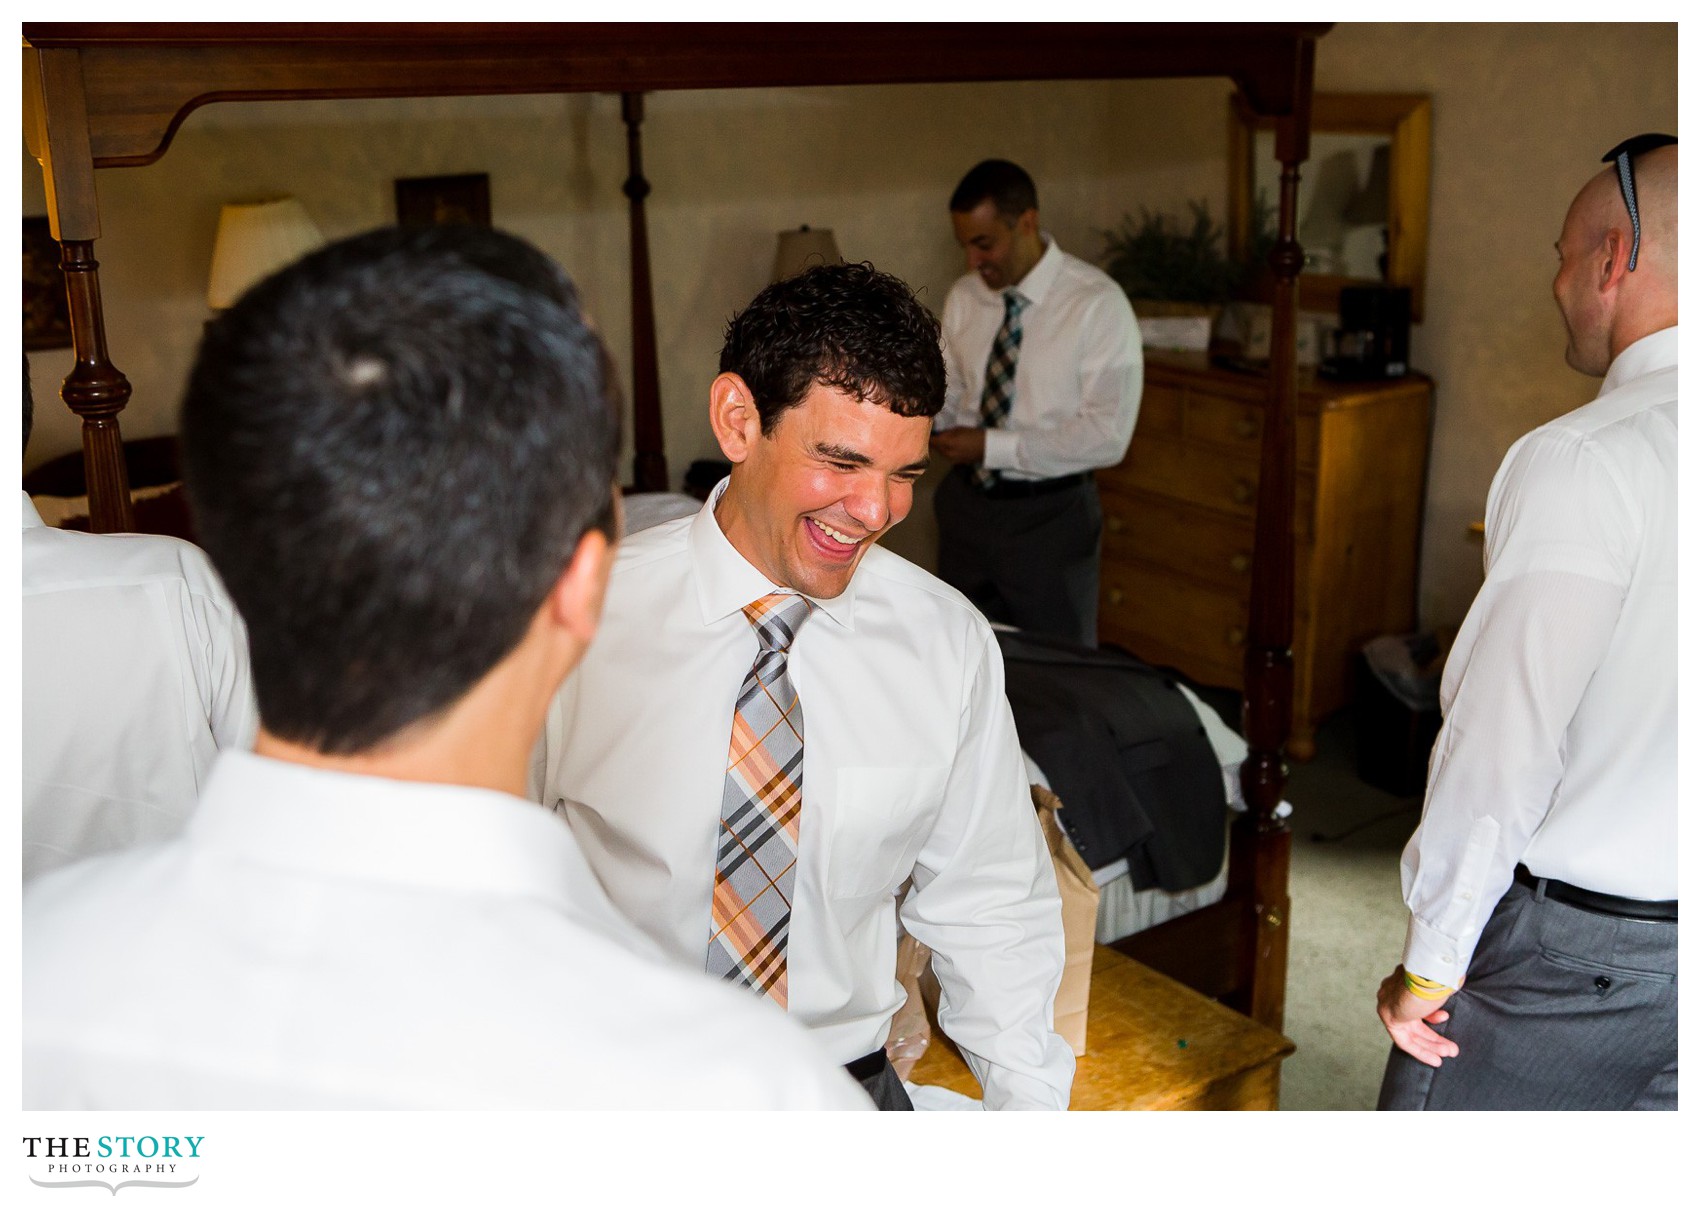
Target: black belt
x: 1595, y: 902
x: 1010, y: 490
x: 868, y: 1066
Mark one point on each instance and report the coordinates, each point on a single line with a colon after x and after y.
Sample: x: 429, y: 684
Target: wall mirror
x: 1363, y: 193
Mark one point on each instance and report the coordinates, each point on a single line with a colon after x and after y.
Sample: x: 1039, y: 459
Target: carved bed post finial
x: 649, y: 458
x: 96, y: 391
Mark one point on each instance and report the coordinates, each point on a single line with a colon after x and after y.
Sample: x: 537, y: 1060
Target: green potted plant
x: 1175, y: 273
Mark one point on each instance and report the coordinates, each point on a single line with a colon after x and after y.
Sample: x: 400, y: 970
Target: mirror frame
x: 1405, y: 118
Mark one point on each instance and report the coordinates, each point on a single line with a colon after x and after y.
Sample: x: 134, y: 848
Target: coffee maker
x: 1374, y: 337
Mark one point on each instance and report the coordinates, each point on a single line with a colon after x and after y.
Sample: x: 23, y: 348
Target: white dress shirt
x: 135, y: 673
x: 1078, y: 377
x: 910, y: 765
x: 1559, y: 743
x: 316, y: 939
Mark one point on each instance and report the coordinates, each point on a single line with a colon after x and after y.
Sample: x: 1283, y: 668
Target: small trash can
x: 1398, y: 711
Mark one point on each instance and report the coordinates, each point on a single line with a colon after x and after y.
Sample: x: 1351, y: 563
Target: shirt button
x: 1602, y: 983
x: 1447, y: 959
x: 1465, y: 896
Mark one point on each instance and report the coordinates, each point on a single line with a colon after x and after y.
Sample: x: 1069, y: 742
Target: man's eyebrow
x: 844, y: 454
x: 841, y: 454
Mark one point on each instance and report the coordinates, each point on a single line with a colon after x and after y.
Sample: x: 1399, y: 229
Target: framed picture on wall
x: 433, y: 201
x: 47, y: 313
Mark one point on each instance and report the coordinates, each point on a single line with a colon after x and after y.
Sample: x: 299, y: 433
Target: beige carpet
x: 1348, y: 925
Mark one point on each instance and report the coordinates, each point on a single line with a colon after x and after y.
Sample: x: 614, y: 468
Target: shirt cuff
x: 1434, y: 955
x: 1000, y: 449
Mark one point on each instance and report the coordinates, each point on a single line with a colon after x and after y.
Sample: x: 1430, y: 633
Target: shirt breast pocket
x: 877, y: 822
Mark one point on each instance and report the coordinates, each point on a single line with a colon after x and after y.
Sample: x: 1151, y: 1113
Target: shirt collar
x: 727, y: 582
x: 1037, y: 284
x: 1655, y: 351
x: 32, y: 516
x: 447, y: 838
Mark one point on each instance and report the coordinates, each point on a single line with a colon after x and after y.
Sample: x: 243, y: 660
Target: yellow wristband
x: 1429, y: 991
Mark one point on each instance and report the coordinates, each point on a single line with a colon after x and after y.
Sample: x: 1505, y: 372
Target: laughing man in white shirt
x: 1045, y: 374
x: 400, y: 452
x: 1540, y: 964
x: 909, y: 761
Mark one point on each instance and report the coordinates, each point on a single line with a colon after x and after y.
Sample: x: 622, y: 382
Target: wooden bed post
x: 56, y: 127
x: 1261, y: 837
x: 649, y: 457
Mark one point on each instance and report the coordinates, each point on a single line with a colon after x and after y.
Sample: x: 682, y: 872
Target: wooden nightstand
x: 1152, y: 1044
x: 1179, y: 512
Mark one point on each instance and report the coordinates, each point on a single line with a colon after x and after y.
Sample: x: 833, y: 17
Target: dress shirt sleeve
x: 225, y: 674
x: 959, y: 408
x: 1561, y: 534
x: 234, y: 712
x: 985, y: 900
x: 1095, y: 434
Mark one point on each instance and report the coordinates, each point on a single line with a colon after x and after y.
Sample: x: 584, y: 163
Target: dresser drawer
x: 1166, y: 621
x: 1157, y: 530
x: 1197, y: 544
x: 1194, y: 474
x: 1238, y: 426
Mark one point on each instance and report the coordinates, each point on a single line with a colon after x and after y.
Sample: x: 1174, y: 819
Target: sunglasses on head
x: 1623, y: 155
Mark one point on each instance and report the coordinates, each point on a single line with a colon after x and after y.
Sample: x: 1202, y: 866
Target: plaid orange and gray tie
x: 755, y: 861
x: 998, y: 395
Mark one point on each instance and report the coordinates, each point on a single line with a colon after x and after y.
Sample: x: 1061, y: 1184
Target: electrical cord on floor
x: 1414, y: 805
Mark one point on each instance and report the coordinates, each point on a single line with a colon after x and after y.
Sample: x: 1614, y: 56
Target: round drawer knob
x: 1236, y: 636
x: 1115, y: 524
x: 1243, y: 491
x: 1116, y: 597
x: 1246, y: 427
x: 1239, y: 562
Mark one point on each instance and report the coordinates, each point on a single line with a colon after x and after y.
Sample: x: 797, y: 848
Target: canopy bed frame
x: 111, y: 95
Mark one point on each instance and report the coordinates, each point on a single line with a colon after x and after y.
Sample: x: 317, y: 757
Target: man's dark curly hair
x: 849, y: 327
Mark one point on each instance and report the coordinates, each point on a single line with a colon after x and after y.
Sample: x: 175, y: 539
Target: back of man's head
x: 1006, y: 185
x: 392, y: 449
x: 849, y: 327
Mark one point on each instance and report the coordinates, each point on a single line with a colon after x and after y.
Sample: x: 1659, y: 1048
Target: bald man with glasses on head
x: 1540, y: 962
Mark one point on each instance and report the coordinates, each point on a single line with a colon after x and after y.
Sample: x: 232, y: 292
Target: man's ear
x: 575, y: 601
x: 733, y: 416
x: 1028, y: 223
x: 1614, y: 249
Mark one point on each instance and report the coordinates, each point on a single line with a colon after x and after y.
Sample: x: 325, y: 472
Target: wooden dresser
x: 1178, y: 525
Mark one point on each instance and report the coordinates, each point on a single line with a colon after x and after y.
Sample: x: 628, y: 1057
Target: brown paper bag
x: 1080, y: 922
x: 1080, y: 928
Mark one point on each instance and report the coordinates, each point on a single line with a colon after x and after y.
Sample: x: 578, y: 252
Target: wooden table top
x: 1151, y: 1044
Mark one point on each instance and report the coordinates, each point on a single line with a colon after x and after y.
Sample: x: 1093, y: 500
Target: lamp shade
x: 802, y: 249
x: 254, y: 239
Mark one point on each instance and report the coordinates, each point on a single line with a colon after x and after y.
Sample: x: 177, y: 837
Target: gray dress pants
x: 1562, y: 1009
x: 1031, y: 562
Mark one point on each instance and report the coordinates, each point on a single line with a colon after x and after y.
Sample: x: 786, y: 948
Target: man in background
x: 400, y: 452
x: 135, y: 675
x: 1045, y: 374
x: 782, y: 722
x: 1540, y: 964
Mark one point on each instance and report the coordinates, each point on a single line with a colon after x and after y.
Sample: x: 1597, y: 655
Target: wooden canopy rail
x: 109, y: 95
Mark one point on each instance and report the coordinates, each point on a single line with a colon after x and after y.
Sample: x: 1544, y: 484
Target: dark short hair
x: 392, y: 449
x: 849, y: 327
x: 1007, y: 185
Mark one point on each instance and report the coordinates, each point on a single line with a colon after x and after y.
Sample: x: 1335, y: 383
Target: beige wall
x: 1520, y: 112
